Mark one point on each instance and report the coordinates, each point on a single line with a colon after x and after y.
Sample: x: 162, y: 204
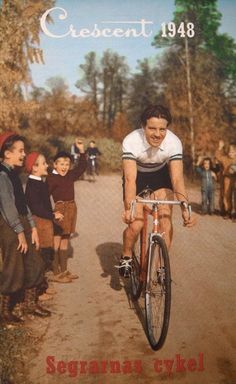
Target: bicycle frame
x: 155, y: 226
x: 151, y: 271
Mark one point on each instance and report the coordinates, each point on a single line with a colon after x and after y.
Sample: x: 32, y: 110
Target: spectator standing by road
x: 227, y: 160
x: 208, y: 178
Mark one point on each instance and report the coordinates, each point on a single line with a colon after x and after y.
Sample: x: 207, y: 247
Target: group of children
x: 223, y: 171
x: 34, y: 237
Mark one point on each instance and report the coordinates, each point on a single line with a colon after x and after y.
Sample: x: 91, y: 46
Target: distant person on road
x: 208, y: 178
x: 92, y: 153
x: 61, y: 188
x: 227, y: 160
x: 152, y: 157
x: 75, y: 151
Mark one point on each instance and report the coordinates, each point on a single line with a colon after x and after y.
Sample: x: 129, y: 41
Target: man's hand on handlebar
x: 128, y: 217
x: 188, y: 220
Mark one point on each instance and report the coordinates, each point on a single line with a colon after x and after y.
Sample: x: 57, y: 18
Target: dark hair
x: 155, y: 111
x: 8, y: 144
x: 63, y: 154
x: 92, y: 141
x: 207, y: 159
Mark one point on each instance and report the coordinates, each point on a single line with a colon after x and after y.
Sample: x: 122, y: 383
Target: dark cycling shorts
x: 153, y: 180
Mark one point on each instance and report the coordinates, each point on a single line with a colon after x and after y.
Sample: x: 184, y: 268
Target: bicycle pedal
x: 125, y: 266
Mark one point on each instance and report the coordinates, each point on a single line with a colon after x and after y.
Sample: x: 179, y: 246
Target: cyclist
x: 152, y: 157
x: 92, y: 152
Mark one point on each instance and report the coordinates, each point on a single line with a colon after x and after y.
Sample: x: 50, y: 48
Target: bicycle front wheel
x: 136, y: 283
x: 158, y: 293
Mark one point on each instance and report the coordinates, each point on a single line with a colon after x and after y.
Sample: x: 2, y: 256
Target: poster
x: 95, y: 67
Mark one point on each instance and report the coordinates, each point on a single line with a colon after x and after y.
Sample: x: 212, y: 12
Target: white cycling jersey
x: 148, y: 158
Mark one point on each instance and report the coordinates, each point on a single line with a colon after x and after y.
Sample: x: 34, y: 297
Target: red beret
x: 30, y: 160
x: 4, y: 136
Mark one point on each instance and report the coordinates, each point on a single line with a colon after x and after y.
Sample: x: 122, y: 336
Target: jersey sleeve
x: 128, y: 152
x: 176, y: 150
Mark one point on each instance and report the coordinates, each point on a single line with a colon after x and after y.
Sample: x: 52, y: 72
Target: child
x: 208, y: 184
x: 38, y: 200
x: 61, y: 187
x: 23, y: 269
x: 74, y: 151
x: 228, y: 178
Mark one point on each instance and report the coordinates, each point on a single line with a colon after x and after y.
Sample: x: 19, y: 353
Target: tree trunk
x: 190, y: 104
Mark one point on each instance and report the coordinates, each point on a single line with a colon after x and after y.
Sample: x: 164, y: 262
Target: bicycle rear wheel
x: 158, y: 293
x: 136, y: 283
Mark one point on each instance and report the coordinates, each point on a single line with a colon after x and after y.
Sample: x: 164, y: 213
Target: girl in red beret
x: 38, y: 199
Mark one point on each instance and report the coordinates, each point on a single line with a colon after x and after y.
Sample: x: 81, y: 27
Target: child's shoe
x: 45, y: 297
x: 71, y: 275
x: 62, y: 278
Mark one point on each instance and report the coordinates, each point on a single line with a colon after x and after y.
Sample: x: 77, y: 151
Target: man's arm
x: 130, y: 174
x: 177, y: 179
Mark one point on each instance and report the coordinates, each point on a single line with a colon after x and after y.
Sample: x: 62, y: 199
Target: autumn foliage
x: 111, y: 97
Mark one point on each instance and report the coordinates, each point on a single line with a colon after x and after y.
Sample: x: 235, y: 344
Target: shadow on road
x: 196, y: 207
x: 109, y: 255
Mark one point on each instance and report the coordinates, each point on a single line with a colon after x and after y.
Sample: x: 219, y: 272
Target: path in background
x: 94, y: 319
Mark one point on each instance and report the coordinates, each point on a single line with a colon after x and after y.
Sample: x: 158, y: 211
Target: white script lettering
x: 140, y: 29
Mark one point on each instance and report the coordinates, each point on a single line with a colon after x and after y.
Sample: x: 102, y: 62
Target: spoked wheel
x: 136, y: 283
x: 158, y: 294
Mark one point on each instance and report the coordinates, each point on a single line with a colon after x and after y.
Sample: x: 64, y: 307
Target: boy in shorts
x: 61, y: 188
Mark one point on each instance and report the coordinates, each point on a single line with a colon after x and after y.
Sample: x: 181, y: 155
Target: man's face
x: 15, y: 156
x: 155, y: 131
x: 62, y: 165
x: 40, y: 167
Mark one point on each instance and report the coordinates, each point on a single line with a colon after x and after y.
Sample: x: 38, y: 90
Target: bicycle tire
x: 136, y: 283
x: 158, y: 293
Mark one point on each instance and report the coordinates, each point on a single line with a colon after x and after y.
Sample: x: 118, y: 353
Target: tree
x: 121, y: 126
x: 90, y: 79
x: 104, y: 82
x: 60, y: 113
x: 114, y: 75
x: 196, y: 79
x: 144, y: 89
x: 19, y: 45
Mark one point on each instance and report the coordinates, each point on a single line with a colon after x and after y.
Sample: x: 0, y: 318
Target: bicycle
x: 151, y: 270
x: 92, y: 167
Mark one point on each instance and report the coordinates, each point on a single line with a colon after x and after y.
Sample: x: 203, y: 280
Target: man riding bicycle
x: 152, y: 158
x: 92, y: 152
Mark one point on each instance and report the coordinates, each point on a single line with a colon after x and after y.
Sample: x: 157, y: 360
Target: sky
x: 63, y: 53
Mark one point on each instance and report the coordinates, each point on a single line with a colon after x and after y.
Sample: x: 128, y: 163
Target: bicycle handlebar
x: 159, y: 202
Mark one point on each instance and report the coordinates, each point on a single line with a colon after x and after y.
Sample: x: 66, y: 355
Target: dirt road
x: 94, y: 322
